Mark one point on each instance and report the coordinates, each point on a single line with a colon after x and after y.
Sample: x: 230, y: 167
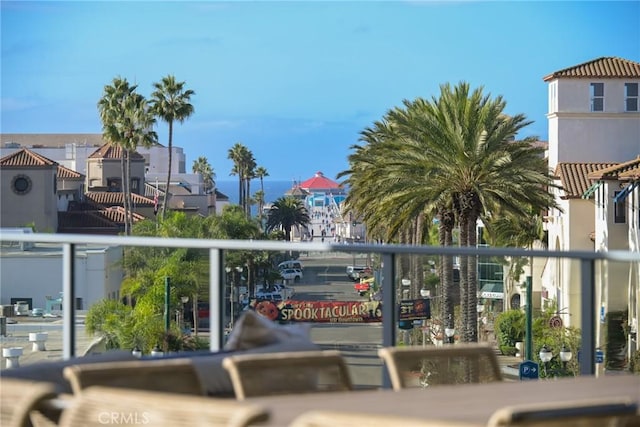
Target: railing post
x: 216, y: 300
x: 68, y: 301
x: 588, y: 316
x: 389, y: 317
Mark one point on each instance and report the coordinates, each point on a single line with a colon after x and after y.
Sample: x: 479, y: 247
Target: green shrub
x: 509, y: 328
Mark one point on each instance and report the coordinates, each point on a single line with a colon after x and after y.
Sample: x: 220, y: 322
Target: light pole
x: 184, y: 299
x: 480, y: 310
x: 565, y: 356
x: 545, y: 356
x: 230, y: 284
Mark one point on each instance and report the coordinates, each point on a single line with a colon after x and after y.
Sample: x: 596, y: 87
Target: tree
x: 203, y: 167
x: 454, y: 154
x: 287, y: 212
x: 126, y: 123
x: 171, y: 102
x: 244, y: 167
x: 261, y: 172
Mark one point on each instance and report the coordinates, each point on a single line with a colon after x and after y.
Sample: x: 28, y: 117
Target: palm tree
x: 203, y: 167
x: 261, y: 172
x: 453, y: 154
x: 126, y: 123
x: 244, y: 166
x: 286, y: 213
x: 171, y: 102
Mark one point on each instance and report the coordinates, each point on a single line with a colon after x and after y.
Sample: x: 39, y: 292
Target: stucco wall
x: 38, y: 273
x: 38, y: 206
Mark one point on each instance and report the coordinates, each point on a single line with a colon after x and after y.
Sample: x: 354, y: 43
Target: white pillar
x: 38, y: 339
x: 12, y: 354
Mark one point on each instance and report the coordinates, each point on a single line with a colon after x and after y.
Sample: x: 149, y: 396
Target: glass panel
x: 631, y: 89
x: 597, y: 104
x: 597, y: 89
x: 631, y: 104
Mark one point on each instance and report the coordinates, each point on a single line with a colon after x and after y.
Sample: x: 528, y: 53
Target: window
x: 619, y: 210
x: 21, y: 184
x: 113, y: 184
x: 597, y: 96
x: 631, y: 96
x: 135, y: 185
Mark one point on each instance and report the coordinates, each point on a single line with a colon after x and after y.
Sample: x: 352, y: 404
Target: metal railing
x: 388, y: 255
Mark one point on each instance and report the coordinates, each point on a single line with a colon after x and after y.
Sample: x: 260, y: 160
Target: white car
x: 291, y: 274
x: 287, y: 292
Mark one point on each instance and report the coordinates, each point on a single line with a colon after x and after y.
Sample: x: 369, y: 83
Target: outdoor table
x: 470, y: 403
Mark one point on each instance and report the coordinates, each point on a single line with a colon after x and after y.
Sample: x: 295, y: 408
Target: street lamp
x: 425, y: 293
x: 157, y: 351
x: 565, y: 356
x: 184, y: 299
x: 449, y: 332
x: 479, y: 309
x: 136, y: 352
x: 545, y: 356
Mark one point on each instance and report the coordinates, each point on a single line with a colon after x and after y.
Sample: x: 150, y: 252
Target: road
x: 325, y: 279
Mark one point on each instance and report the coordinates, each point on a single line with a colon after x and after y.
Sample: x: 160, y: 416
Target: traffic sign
x: 529, y: 370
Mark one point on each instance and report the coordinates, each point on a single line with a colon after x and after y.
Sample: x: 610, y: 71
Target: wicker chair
x: 20, y: 398
x: 169, y: 375
x: 420, y: 367
x: 606, y: 412
x: 355, y: 419
x: 98, y: 406
x: 287, y: 372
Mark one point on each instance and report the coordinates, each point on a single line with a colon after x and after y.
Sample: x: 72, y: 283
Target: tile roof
x: 67, y: 173
x: 621, y: 171
x: 112, y: 151
x: 105, y: 221
x: 318, y: 182
x: 26, y: 158
x: 574, y: 177
x: 605, y: 67
x: 113, y: 198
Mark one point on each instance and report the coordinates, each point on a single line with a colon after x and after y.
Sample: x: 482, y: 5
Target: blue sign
x: 599, y: 356
x: 529, y: 370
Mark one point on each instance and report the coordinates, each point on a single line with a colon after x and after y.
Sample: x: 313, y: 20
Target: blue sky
x: 297, y: 81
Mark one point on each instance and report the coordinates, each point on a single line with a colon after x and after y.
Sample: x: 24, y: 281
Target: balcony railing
x: 387, y: 253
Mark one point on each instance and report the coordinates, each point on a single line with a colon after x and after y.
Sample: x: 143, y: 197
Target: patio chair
x: 100, y: 406
x: 268, y: 374
x: 421, y: 367
x: 20, y: 398
x: 355, y: 419
x: 169, y: 375
x: 605, y: 412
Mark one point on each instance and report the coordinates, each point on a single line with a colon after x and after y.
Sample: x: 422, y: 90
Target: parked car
x: 271, y: 296
x: 356, y: 273
x: 292, y: 274
x: 290, y: 264
x: 287, y: 292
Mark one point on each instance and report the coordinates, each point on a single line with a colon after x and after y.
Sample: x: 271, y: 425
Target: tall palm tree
x: 261, y: 173
x: 135, y: 129
x: 202, y: 166
x: 126, y: 123
x: 171, y: 101
x: 244, y: 167
x: 452, y: 155
x: 287, y: 212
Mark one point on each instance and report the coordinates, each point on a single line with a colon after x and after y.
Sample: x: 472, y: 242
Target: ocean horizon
x: 273, y: 190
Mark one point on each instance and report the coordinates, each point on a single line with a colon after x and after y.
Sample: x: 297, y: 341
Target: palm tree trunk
x: 472, y: 312
x: 123, y: 166
x: 127, y: 199
x: 445, y: 237
x: 464, y: 278
x: 166, y: 190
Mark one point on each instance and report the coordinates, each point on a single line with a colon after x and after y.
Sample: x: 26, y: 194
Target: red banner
x: 321, y: 311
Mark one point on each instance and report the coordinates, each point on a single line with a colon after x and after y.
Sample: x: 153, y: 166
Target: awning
x: 625, y: 192
x: 587, y: 194
x: 492, y: 290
